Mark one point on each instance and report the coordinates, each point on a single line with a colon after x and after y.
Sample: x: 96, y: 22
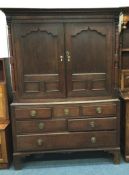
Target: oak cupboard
x: 65, y: 80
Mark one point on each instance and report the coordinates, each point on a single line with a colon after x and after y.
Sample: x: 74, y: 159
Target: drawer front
x: 92, y: 124
x: 99, y: 110
x: 40, y: 126
x: 22, y: 113
x: 66, y: 111
x: 73, y: 140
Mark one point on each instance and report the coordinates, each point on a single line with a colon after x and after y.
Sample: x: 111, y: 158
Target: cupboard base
x: 17, y: 157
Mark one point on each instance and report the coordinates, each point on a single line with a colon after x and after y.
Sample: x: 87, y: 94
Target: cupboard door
x: 39, y: 54
x: 89, y: 59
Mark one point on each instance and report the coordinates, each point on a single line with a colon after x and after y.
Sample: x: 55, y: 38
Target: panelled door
x: 50, y: 54
x: 89, y: 58
x: 39, y: 58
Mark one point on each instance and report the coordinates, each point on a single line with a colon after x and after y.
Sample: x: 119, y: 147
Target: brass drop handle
x: 93, y: 140
x: 99, y: 110
x: 68, y: 56
x: 40, y: 142
x: 61, y: 58
x: 92, y: 124
x: 66, y: 111
x: 41, y: 125
x: 33, y: 113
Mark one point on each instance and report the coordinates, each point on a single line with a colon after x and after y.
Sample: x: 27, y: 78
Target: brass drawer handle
x: 93, y: 140
x: 99, y: 110
x: 92, y: 124
x: 33, y: 113
x: 40, y: 142
x: 41, y: 125
x: 66, y: 111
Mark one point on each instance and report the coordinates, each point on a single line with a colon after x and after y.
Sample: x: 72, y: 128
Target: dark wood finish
x: 124, y: 61
x: 65, y: 74
x: 17, y: 162
x: 84, y: 78
x: 66, y: 111
x: 92, y: 124
x: 117, y: 157
x: 64, y: 67
x: 41, y: 126
x: 22, y: 113
x: 66, y: 140
x: 125, y: 127
x: 45, y: 77
x: 124, y: 83
x: 99, y: 109
x: 58, y: 134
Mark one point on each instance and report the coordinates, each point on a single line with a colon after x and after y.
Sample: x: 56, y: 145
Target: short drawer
x: 92, y: 124
x: 40, y: 126
x: 75, y: 140
x: 98, y: 109
x: 22, y: 113
x: 66, y: 111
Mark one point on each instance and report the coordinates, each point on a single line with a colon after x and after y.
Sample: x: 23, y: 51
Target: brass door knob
x: 33, y: 113
x: 66, y: 111
x: 41, y: 125
x: 39, y: 142
x: 99, y: 110
x: 92, y: 124
x: 68, y: 56
x: 61, y: 58
x: 93, y: 140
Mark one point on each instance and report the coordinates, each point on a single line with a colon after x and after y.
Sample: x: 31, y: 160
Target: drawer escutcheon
x: 92, y: 124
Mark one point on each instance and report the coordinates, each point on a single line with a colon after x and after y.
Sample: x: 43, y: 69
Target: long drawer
x: 92, y: 124
x: 66, y: 140
x: 41, y: 126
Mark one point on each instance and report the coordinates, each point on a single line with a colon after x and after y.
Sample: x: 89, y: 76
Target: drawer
x: 98, y: 109
x: 40, y: 126
x: 74, y: 140
x: 66, y: 111
x: 22, y: 113
x: 92, y: 124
